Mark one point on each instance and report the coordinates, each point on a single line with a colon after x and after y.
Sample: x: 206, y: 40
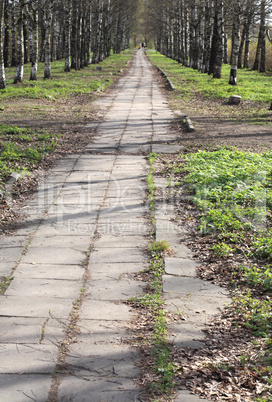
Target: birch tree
x: 35, y: 40
x: 6, y: 50
x: 236, y: 14
x: 259, y: 63
x: 2, y: 66
x: 68, y: 25
x: 47, y: 38
x: 217, y: 41
x: 19, y: 74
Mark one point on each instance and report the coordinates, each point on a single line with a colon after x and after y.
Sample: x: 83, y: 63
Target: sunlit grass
x: 84, y: 81
x: 252, y: 85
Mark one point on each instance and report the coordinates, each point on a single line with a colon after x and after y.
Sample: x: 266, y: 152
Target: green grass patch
x: 22, y: 148
x: 64, y: 85
x: 251, y: 86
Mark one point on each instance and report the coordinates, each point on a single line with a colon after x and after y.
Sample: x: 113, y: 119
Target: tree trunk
x: 208, y: 37
x: 235, y: 43
x: 261, y: 40
x: 185, y: 34
x: 2, y: 66
x: 193, y: 36
x: 201, y: 25
x: 89, y: 35
x: 35, y: 42
x: 246, y: 54
x: 218, y: 58
x: 26, y: 39
x: 7, y: 34
x: 13, y: 33
x: 68, y: 28
x: 47, y: 40
x: 19, y: 74
x: 262, y: 37
x: 241, y: 47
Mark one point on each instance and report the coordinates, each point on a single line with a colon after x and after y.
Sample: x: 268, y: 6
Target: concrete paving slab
x: 182, y: 251
x: 115, y: 270
x: 180, y: 266
x: 24, y: 387
x: 100, y: 165
x: 109, y: 289
x: 125, y: 216
x: 50, y: 271
x: 43, y: 288
x: 123, y: 229
x: 80, y: 243
x: 103, y: 360
x: 99, y: 332
x: 72, y: 211
x: 12, y: 242
x: 6, y: 268
x: 187, y: 335
x: 30, y: 331
x: 27, y: 359
x: 108, y: 389
x: 122, y: 255
x: 24, y: 306
x: 64, y: 166
x: 106, y: 239
x: 166, y: 148
x: 190, y: 286
x: 186, y: 396
x: 53, y: 255
x: 196, y: 307
x: 10, y: 254
x: 71, y: 228
x: 105, y: 311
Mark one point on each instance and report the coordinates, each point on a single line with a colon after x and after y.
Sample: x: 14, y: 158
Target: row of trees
x: 80, y: 31
x: 196, y: 32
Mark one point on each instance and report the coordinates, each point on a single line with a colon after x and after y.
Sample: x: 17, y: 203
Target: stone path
x: 75, y: 254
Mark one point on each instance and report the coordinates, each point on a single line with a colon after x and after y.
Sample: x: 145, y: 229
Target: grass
x: 4, y: 284
x: 232, y: 192
x: 190, y: 84
x: 22, y: 148
x: 63, y: 85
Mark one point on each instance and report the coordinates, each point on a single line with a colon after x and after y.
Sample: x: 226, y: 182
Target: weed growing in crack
x: 4, y: 283
x: 162, y: 365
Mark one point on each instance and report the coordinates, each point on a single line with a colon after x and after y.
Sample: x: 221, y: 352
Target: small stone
x: 234, y: 100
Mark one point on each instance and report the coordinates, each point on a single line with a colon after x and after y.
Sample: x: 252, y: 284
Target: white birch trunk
x: 35, y: 42
x: 19, y: 74
x: 2, y: 66
x: 47, y: 40
x: 235, y: 43
x: 68, y: 28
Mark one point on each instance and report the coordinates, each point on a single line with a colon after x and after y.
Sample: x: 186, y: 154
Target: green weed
x: 258, y: 277
x: 4, y: 283
x: 257, y: 314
